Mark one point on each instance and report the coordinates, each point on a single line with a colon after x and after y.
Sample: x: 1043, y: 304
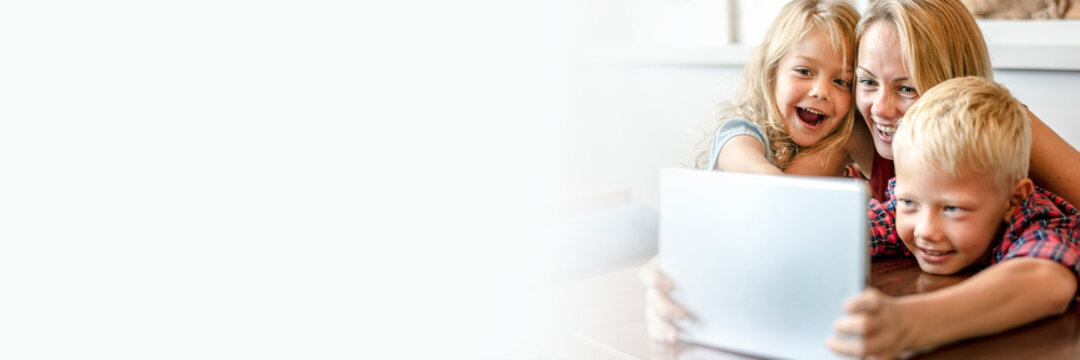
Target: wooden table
x: 602, y: 317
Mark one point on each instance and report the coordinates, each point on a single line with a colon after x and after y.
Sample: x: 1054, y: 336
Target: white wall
x: 1050, y: 95
x: 636, y: 120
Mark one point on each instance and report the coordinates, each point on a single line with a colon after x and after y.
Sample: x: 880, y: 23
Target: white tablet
x: 762, y: 263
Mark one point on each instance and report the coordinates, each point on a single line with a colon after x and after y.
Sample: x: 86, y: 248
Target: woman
x: 901, y: 54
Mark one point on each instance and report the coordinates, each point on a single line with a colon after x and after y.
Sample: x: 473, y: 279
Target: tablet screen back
x: 762, y: 263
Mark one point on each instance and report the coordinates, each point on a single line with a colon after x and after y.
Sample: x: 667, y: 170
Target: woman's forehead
x: 880, y: 36
x: 880, y: 51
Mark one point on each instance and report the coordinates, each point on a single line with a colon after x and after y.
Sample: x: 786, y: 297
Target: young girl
x: 795, y: 98
x: 795, y: 101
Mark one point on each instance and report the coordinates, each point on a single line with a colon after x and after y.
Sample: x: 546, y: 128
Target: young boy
x: 961, y: 200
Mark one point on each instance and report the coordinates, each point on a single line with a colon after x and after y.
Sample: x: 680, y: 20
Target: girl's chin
x: 805, y: 140
x: 808, y: 137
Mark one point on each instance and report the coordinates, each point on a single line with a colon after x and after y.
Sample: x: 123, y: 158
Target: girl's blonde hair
x: 939, y: 39
x: 968, y: 124
x: 757, y: 100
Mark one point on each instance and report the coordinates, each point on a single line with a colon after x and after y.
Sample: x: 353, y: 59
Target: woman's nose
x: 884, y: 106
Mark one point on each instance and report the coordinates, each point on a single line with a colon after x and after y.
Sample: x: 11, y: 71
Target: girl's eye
x: 802, y: 71
x: 866, y: 82
x: 846, y: 84
x: 906, y: 202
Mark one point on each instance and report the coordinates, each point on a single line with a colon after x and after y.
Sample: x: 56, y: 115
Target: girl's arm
x: 821, y: 163
x: 1055, y: 165
x: 660, y: 311
x: 859, y: 147
x: 745, y: 154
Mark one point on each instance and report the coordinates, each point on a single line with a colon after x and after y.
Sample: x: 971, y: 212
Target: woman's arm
x: 1055, y: 165
x: 1012, y: 293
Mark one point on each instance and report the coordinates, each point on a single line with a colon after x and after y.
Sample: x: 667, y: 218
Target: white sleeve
x: 733, y: 128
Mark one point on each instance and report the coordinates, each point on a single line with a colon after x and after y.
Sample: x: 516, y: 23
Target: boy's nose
x: 928, y: 228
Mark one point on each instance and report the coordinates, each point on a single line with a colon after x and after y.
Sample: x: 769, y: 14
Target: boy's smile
x: 948, y: 222
x: 935, y: 256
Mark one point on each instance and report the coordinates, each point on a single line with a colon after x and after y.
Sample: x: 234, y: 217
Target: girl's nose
x: 821, y: 89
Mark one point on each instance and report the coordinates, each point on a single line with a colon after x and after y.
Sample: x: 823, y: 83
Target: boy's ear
x: 1023, y: 188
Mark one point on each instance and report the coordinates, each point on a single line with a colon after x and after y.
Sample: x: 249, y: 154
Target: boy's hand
x: 876, y: 327
x: 660, y: 311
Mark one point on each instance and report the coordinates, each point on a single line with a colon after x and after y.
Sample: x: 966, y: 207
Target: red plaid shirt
x: 1043, y: 226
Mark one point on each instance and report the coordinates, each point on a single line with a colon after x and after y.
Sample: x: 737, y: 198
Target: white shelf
x: 1009, y: 57
x: 1035, y: 57
x: 711, y: 56
x: 1030, y: 32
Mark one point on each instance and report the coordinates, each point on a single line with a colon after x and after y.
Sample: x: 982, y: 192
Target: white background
x: 322, y: 179
x: 285, y: 179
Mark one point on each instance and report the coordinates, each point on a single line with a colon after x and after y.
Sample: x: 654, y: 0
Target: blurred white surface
x: 682, y: 23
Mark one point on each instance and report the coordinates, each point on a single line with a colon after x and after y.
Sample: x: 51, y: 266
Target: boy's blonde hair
x: 968, y: 123
x: 939, y: 39
x: 757, y: 97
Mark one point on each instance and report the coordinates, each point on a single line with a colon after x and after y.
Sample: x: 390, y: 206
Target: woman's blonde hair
x: 757, y: 100
x: 939, y: 39
x: 969, y: 123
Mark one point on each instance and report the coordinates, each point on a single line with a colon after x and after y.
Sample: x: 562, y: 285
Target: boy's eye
x: 905, y: 202
x: 846, y: 84
x: 950, y: 208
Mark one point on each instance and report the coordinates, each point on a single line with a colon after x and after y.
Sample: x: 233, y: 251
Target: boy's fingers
x: 852, y: 325
x: 867, y: 301
x: 846, y: 347
x: 876, y: 348
x: 662, y: 306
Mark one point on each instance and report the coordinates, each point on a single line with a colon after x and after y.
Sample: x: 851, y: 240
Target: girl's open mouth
x: 810, y: 117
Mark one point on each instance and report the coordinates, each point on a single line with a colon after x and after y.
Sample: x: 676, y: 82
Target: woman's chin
x: 884, y: 150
